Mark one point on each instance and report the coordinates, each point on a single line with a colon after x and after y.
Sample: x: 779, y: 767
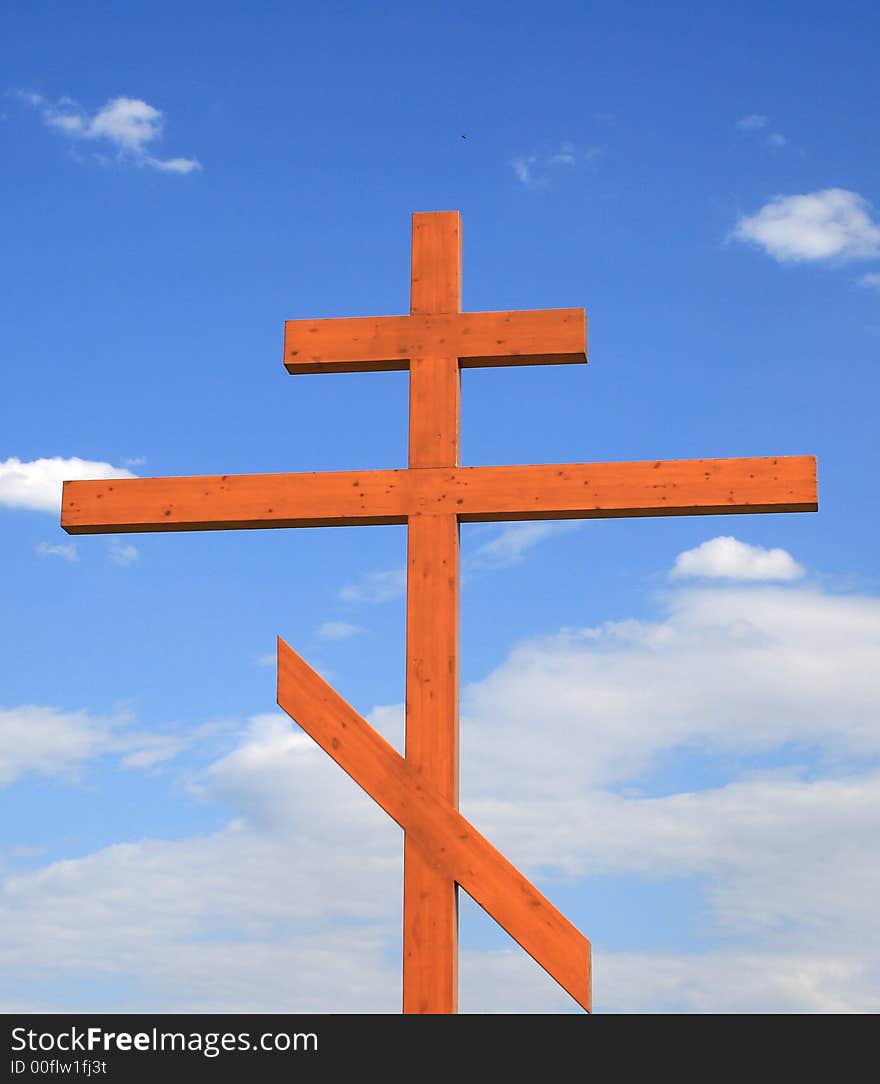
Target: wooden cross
x: 432, y: 497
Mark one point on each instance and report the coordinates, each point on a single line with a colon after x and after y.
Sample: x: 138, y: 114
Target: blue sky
x: 670, y: 724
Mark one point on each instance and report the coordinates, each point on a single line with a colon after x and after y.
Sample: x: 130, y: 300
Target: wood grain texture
x: 347, y: 498
x: 432, y: 627
x: 477, y: 339
x: 435, y: 275
x: 536, y: 337
x: 347, y: 344
x: 233, y: 502
x: 434, y: 411
x: 430, y: 904
x: 430, y: 895
x: 433, y: 496
x: 680, y: 487
x: 451, y: 843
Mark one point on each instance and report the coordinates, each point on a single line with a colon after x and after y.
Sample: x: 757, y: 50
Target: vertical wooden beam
x: 430, y: 897
x: 434, y: 378
x: 435, y: 282
x: 434, y: 412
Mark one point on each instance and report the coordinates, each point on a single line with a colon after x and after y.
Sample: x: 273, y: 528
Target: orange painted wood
x: 435, y: 273
x: 477, y: 339
x: 537, y: 337
x: 455, y: 847
x: 434, y: 411
x: 430, y: 895
x: 432, y: 622
x: 677, y: 487
x: 346, y: 498
x: 232, y: 502
x: 430, y: 905
x: 347, y: 344
x: 434, y: 377
x: 433, y: 496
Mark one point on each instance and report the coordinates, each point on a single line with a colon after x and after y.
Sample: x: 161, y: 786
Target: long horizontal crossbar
x: 348, y: 498
x: 451, y: 844
x: 370, y: 344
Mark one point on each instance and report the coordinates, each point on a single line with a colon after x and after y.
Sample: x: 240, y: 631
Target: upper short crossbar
x: 370, y: 344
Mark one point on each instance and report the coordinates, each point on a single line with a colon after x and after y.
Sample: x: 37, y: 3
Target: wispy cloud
x: 66, y: 550
x: 871, y: 281
x: 524, y: 170
x: 537, y: 170
x: 123, y: 553
x: 565, y: 156
x: 126, y: 126
x: 41, y: 740
x: 376, y: 587
x: 36, y: 483
x: 757, y: 124
x: 830, y: 224
x: 507, y: 547
x: 511, y: 545
x: 729, y: 559
x: 754, y: 122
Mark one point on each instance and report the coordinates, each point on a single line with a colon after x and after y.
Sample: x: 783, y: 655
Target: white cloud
x: 721, y: 980
x: 46, y: 741
x: 174, y: 165
x: 565, y: 156
x: 128, y: 125
x: 510, y: 546
x: 376, y: 587
x: 67, y: 122
x: 522, y: 167
x: 302, y: 886
x: 297, y: 901
x: 728, y: 671
x: 153, y: 749
x: 123, y: 554
x: 36, y: 484
x: 28, y: 96
x: 872, y: 281
x: 728, y: 558
x: 337, y: 630
x: 127, y: 122
x: 756, y: 123
x: 65, y: 550
x: 390, y: 721
x: 753, y: 122
x: 536, y: 170
x: 506, y: 981
x: 831, y: 224
x: 744, y: 981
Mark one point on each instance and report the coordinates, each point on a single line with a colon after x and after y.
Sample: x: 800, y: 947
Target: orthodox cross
x: 432, y: 497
